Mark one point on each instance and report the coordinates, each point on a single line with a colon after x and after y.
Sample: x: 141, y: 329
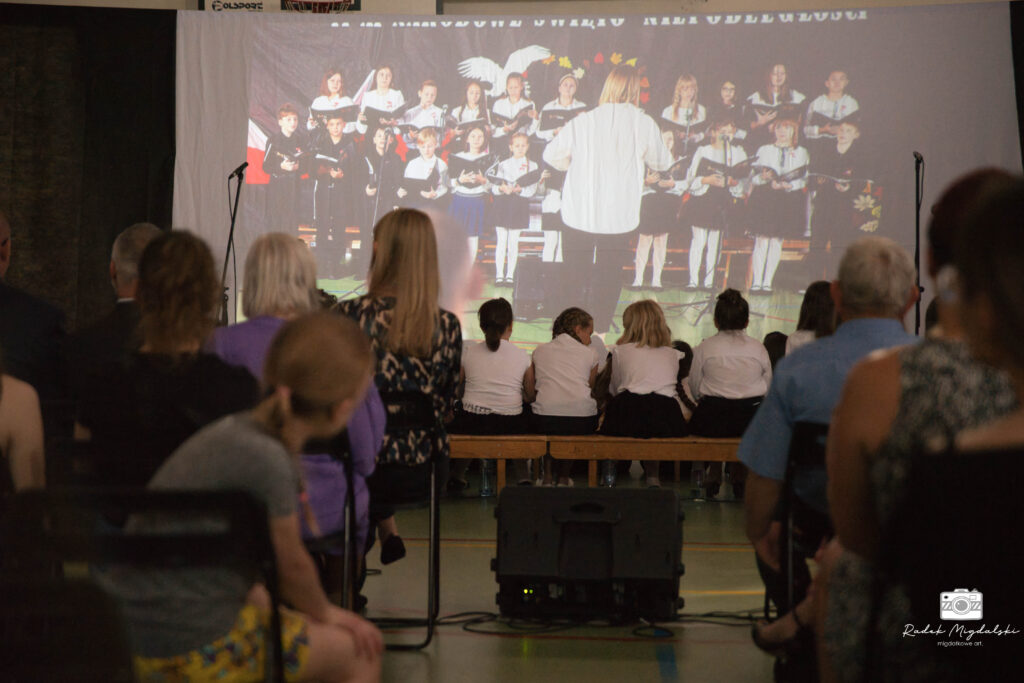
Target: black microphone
x: 918, y: 158
x: 241, y: 169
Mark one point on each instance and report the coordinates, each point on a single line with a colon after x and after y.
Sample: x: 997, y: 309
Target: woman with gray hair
x: 280, y: 285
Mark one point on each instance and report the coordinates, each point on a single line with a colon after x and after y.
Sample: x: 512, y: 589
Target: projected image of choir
x: 776, y: 175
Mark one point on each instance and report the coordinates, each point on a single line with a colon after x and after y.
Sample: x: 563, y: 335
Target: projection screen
x: 786, y: 136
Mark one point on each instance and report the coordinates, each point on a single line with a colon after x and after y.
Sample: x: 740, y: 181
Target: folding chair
x: 45, y: 527
x: 802, y: 527
x: 338, y: 447
x: 414, y: 411
x: 62, y: 630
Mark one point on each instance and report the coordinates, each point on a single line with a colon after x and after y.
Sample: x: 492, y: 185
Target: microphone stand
x: 223, y: 319
x: 918, y: 199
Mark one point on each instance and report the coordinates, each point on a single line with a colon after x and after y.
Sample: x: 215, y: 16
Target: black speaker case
x: 589, y: 553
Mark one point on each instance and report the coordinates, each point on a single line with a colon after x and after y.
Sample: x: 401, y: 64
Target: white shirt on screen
x: 735, y: 155
x: 389, y: 101
x: 562, y: 368
x: 833, y: 109
x: 494, y: 379
x: 730, y: 364
x: 603, y: 152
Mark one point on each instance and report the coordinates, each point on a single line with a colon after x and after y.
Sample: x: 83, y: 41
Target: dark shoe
x: 738, y: 487
x: 392, y: 550
x: 712, y: 490
x: 801, y: 639
x: 455, y: 487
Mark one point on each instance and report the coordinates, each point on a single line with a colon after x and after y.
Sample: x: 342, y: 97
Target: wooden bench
x: 500, y: 448
x: 592, y: 448
x: 595, y: 448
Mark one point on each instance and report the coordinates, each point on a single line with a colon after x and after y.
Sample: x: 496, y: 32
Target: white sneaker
x: 653, y: 483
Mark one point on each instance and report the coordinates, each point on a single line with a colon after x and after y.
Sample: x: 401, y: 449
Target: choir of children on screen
x: 771, y: 166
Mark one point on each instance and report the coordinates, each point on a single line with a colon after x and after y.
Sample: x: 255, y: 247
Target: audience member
x: 817, y: 316
x: 137, y: 411
x: 900, y: 403
x: 31, y: 331
x: 498, y: 379
x: 211, y: 624
x: 729, y: 377
x: 279, y: 284
x: 21, y: 436
x: 565, y: 369
x: 418, y: 348
x: 931, y: 318
x: 644, y: 369
x: 775, y: 345
x: 875, y: 289
x: 114, y: 335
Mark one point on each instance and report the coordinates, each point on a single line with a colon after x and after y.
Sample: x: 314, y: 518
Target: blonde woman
x: 418, y: 348
x: 605, y: 153
x: 644, y: 367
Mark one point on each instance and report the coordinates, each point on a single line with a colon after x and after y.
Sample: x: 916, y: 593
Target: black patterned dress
x: 437, y: 375
x: 943, y: 392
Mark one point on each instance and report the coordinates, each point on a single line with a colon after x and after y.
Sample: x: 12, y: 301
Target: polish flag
x: 256, y: 147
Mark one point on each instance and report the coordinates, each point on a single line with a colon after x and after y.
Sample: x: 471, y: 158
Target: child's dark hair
x: 686, y: 361
x: 731, y: 311
x: 818, y: 312
x: 495, y: 317
x: 775, y: 344
x: 568, y: 320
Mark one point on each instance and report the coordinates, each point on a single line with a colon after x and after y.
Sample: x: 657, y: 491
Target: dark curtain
x: 86, y: 143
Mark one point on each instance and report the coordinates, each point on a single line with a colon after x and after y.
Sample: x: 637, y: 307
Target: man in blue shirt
x: 874, y: 290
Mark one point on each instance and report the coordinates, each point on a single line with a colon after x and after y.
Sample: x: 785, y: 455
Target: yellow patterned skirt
x: 238, y: 656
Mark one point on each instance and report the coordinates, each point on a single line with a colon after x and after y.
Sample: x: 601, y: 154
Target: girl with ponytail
x: 497, y: 378
x: 566, y: 369
x: 317, y: 369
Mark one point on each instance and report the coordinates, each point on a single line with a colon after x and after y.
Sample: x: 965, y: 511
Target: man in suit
x: 109, y: 338
x: 31, y: 330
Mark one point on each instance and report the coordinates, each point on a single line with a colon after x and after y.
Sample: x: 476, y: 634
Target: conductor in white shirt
x: 604, y: 152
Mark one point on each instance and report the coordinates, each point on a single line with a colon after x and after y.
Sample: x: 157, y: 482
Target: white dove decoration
x: 484, y: 69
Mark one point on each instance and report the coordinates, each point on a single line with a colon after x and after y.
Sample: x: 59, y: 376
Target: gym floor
x: 710, y: 641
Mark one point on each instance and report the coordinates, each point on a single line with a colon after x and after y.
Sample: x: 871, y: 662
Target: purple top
x: 246, y: 344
